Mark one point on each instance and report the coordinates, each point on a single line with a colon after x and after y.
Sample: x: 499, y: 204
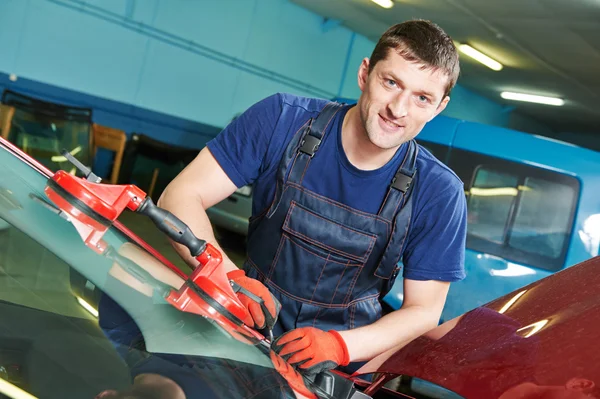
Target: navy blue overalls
x: 327, y: 263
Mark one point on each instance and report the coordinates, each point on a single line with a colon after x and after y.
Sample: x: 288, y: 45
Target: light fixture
x: 479, y: 56
x: 493, y: 192
x: 13, y: 391
x: 530, y: 98
x: 61, y: 158
x: 87, y: 307
x: 384, y: 3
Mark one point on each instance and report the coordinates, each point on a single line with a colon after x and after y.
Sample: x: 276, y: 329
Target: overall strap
x: 301, y: 149
x: 401, y: 183
x: 398, y: 208
x: 311, y: 141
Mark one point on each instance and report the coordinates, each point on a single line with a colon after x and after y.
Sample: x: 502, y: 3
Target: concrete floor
x: 234, y: 245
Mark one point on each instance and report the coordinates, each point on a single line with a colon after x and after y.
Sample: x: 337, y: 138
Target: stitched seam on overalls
x: 332, y: 249
x: 284, y: 177
x: 352, y: 284
x: 297, y: 152
x: 399, y: 252
x: 341, y: 206
x: 302, y: 300
x: 320, y: 275
x: 305, y: 169
x: 238, y: 378
x: 402, y: 243
x: 316, y: 316
x: 322, y: 135
x: 338, y: 283
x: 317, y: 255
x: 255, y: 381
x: 263, y: 390
x: 371, y: 303
x: 332, y: 221
x: 274, y: 263
x: 352, y: 314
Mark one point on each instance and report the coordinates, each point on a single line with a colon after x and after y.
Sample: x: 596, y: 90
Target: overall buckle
x: 310, y: 145
x: 401, y: 182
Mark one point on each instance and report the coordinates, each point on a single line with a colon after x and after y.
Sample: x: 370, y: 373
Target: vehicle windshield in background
x: 43, y: 129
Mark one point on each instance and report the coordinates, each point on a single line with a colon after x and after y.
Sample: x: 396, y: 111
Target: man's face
x: 398, y: 98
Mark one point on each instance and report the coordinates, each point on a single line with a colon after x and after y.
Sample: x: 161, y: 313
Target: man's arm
x: 202, y: 184
x: 420, y: 312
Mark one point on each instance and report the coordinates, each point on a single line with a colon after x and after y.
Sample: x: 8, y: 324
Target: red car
x: 79, y: 324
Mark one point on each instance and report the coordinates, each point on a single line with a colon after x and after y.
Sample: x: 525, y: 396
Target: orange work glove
x: 312, y: 350
x: 295, y: 380
x: 263, y: 307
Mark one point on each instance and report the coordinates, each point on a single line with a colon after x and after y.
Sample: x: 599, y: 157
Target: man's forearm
x: 395, y: 329
x: 191, y: 210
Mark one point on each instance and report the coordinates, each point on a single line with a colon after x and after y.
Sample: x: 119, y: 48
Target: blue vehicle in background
x: 533, y: 207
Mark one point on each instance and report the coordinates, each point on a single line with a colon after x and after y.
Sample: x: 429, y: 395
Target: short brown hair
x: 420, y: 41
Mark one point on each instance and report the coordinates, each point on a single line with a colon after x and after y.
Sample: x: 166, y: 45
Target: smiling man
x: 342, y: 194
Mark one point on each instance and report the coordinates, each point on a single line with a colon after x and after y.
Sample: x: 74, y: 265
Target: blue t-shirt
x: 250, y: 148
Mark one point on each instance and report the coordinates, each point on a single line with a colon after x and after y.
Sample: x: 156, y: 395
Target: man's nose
x: 398, y: 107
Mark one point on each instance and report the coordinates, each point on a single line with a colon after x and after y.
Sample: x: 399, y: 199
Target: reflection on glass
x: 542, y: 218
x: 43, y: 129
x: 488, y: 213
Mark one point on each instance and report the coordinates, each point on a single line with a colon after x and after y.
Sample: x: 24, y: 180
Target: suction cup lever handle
x: 87, y: 172
x: 172, y: 227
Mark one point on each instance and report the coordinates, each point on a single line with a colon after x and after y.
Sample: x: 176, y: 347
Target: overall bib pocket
x: 329, y: 257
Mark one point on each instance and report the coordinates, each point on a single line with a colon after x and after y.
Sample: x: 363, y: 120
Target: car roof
x: 545, y: 333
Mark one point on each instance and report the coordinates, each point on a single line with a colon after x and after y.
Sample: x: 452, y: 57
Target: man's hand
x: 264, y: 308
x: 292, y: 377
x: 312, y: 350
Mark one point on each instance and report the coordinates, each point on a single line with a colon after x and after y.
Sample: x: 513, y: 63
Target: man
x: 341, y: 195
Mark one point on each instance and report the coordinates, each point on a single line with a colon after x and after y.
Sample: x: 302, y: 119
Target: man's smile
x: 388, y: 125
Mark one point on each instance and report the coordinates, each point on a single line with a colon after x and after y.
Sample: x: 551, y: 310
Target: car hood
x: 543, y: 335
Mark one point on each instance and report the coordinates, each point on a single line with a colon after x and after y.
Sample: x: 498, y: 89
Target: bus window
x: 518, y: 212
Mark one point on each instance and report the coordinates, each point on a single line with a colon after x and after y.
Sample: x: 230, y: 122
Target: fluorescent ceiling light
x: 87, y: 307
x: 384, y: 3
x: 479, y: 56
x: 12, y: 391
x: 530, y: 98
x: 60, y: 158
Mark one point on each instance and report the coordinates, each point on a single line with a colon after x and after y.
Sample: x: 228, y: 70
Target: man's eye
x: 390, y: 82
x: 423, y: 99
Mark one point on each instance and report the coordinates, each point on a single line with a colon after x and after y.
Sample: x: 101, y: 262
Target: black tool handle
x: 169, y: 224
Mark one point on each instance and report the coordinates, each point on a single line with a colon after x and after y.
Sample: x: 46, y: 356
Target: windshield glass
x: 77, y: 324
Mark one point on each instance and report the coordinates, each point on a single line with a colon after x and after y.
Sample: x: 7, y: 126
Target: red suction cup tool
x: 90, y: 206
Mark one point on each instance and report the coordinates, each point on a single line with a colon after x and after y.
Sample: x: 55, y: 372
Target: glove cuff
x: 345, y: 355
x: 235, y: 274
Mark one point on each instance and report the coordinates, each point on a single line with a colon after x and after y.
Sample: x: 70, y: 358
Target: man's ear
x: 440, y: 107
x: 363, y: 74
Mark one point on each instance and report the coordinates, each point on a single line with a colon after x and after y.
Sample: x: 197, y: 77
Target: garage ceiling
x: 548, y: 47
